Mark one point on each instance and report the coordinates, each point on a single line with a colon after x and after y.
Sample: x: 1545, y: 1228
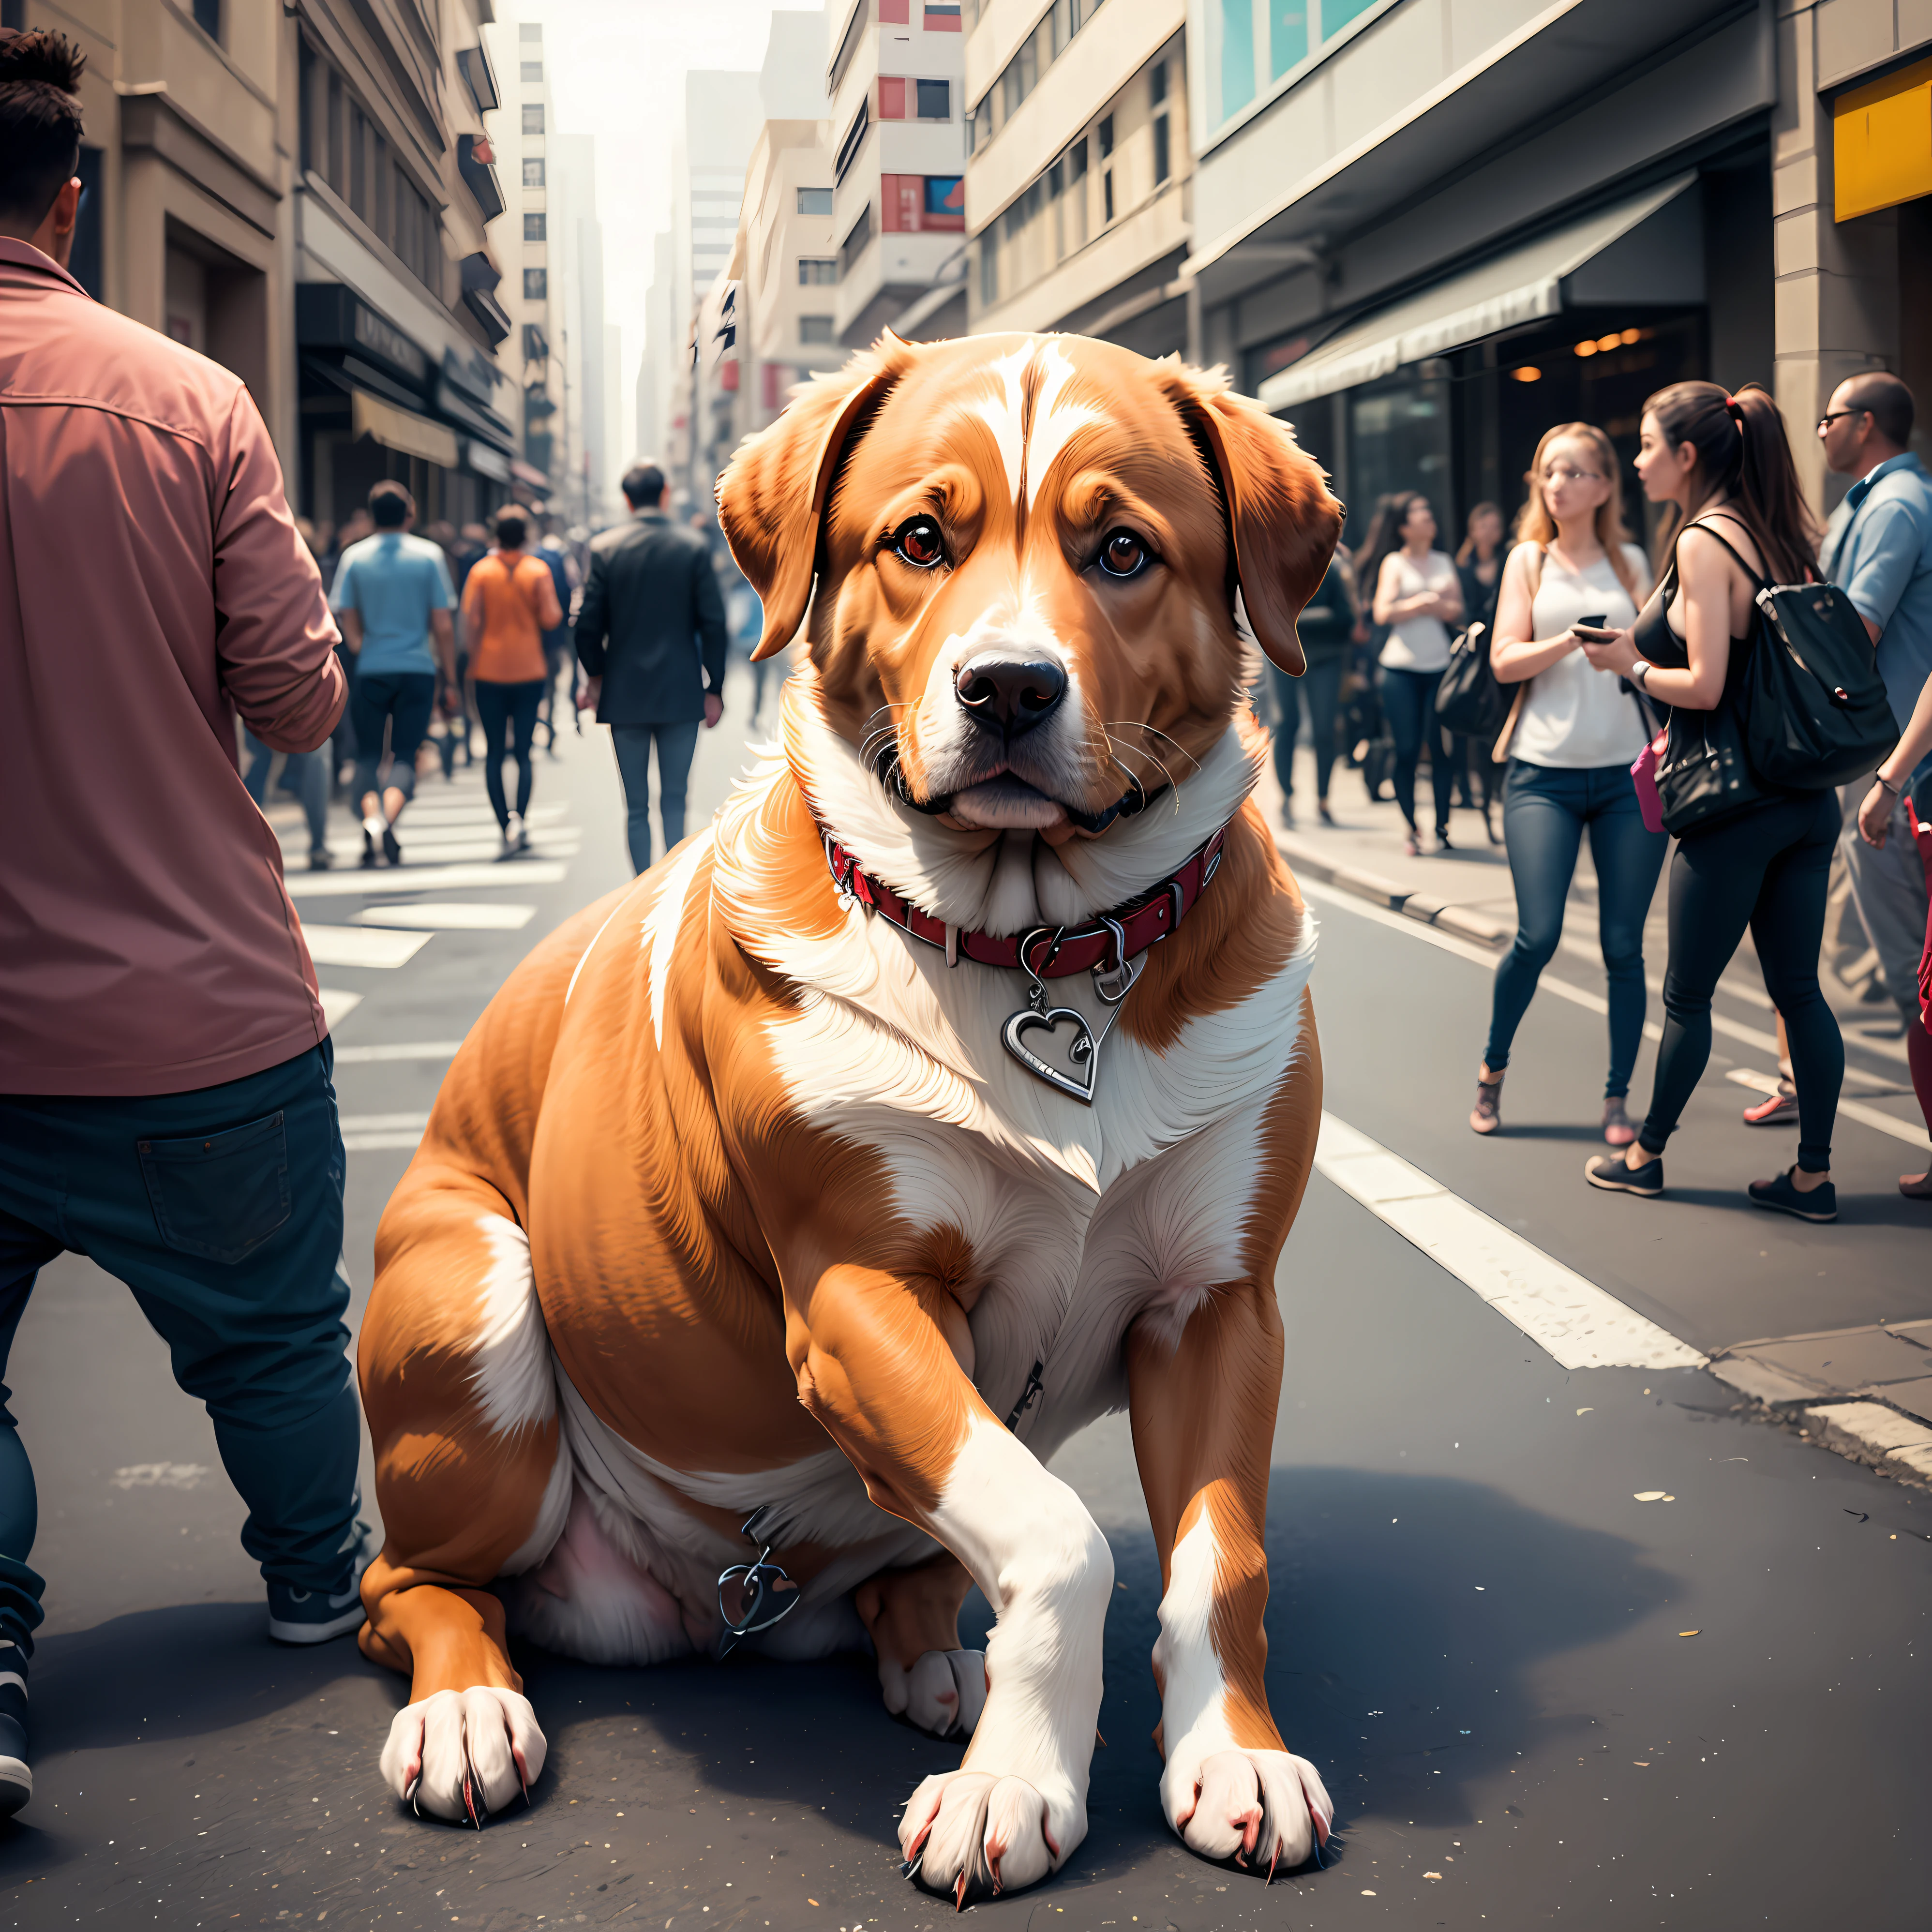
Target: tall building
x: 1077, y: 167
x: 531, y: 246
x: 895, y: 80
x: 658, y: 368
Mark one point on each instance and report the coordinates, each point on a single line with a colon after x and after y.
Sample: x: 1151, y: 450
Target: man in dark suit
x: 651, y: 635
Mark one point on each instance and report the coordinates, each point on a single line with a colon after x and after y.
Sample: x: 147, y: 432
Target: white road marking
x: 1908, y: 1131
x: 413, y: 1049
x: 337, y: 1005
x: 1580, y: 1324
x: 465, y: 847
x: 389, y: 879
x: 352, y: 945
x: 447, y: 915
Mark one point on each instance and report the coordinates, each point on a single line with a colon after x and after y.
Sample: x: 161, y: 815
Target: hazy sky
x: 617, y: 72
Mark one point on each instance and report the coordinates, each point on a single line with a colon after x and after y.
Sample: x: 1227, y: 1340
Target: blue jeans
x: 1546, y: 811
x: 676, y: 744
x: 306, y: 773
x: 221, y: 1209
x: 1408, y: 701
x: 1317, y: 692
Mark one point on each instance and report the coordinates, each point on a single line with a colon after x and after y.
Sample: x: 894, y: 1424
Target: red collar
x: 1104, y: 944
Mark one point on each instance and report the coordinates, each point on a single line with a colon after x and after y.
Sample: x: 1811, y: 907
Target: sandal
x: 1618, y: 1130
x: 1485, y: 1117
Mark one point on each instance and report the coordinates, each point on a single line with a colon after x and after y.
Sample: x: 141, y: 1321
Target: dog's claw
x: 959, y: 1894
x: 411, y: 1794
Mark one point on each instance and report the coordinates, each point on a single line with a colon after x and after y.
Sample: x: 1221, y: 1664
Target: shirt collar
x: 1862, y: 488
x: 23, y: 255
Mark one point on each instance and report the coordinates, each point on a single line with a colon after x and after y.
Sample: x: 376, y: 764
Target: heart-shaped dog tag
x: 1083, y: 1053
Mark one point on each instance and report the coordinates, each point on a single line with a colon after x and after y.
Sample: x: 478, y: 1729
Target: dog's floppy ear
x: 1285, y: 522
x: 771, y: 496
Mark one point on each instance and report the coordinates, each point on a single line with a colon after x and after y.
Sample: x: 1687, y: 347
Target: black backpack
x: 1815, y: 712
x: 1469, y: 700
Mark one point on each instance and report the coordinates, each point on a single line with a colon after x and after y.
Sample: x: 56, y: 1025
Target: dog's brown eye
x: 920, y: 543
x: 1123, y: 555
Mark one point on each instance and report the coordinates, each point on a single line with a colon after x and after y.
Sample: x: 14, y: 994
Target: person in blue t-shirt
x: 392, y: 596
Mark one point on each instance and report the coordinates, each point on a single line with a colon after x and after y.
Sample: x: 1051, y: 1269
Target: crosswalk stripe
x: 388, y: 879
x: 358, y: 945
x: 337, y: 1005
x: 447, y: 915
x: 413, y: 1049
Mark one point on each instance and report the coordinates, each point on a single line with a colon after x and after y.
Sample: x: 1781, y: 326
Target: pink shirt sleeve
x: 274, y: 639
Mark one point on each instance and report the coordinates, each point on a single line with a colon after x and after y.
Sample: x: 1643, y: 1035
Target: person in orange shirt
x: 508, y: 602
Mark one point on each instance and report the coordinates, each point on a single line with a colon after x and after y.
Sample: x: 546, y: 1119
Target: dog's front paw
x: 1260, y: 1808
x: 463, y: 1754
x: 944, y: 1693
x: 970, y: 1833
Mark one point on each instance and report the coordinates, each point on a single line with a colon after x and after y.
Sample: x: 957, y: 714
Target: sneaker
x: 1775, y: 1110
x: 1612, y: 1172
x: 511, y: 832
x: 392, y: 849
x: 314, y: 1616
x: 1782, y: 1195
x: 371, y: 857
x: 522, y: 832
x: 320, y: 858
x: 17, y: 1780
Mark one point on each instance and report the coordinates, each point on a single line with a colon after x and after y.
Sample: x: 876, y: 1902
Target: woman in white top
x: 1576, y: 731
x: 1418, y: 596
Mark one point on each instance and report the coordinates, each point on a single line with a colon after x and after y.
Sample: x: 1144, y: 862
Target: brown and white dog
x: 736, y: 1199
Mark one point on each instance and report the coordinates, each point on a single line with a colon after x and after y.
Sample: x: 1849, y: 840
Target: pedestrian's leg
x: 1628, y: 858
x: 524, y: 701
x: 676, y: 745
x: 1788, y: 928
x: 312, y: 781
x: 255, y: 780
x: 1400, y: 701
x: 1322, y: 692
x: 415, y: 701
x: 1287, y: 722
x: 1543, y: 826
x: 1714, y: 884
x: 493, y: 707
x: 24, y: 1248
x: 1889, y: 892
x: 631, y: 744
x: 1443, y: 756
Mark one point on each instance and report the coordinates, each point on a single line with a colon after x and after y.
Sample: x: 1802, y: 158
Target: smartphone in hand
x: 1590, y: 629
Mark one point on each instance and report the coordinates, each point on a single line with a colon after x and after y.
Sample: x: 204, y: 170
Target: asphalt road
x: 1476, y: 1628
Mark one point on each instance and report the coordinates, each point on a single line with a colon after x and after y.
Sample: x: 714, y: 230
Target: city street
x: 1594, y: 1646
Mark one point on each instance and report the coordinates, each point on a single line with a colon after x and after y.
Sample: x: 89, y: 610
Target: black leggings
x: 500, y: 705
x: 1767, y: 869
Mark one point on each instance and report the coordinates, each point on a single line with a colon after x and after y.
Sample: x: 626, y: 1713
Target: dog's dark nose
x: 1010, y: 695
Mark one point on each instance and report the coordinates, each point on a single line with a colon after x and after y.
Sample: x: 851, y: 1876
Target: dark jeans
x: 1545, y: 812
x: 500, y: 707
x: 402, y: 700
x: 676, y: 743
x: 1316, y: 694
x: 1408, y: 698
x: 306, y: 771
x: 1767, y: 869
x: 221, y: 1209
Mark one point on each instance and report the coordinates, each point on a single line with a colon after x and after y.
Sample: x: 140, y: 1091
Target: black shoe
x: 1611, y: 1171
x: 17, y: 1781
x: 370, y: 857
x: 391, y: 850
x: 1820, y: 1205
x: 320, y: 858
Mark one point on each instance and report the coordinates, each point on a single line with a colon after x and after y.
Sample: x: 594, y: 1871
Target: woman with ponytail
x: 1722, y: 463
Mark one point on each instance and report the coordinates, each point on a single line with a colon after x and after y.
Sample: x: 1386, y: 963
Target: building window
x: 529, y: 70
x: 533, y: 227
x: 935, y: 100
x: 207, y: 17
x: 533, y: 171
x: 892, y: 97
x: 533, y: 117
x: 358, y: 162
x: 814, y: 329
x: 536, y: 346
x: 814, y: 201
x: 1288, y: 33
x: 941, y: 16
x: 848, y: 148
x: 854, y: 244
x: 536, y: 285
x: 1106, y: 131
x: 1238, y: 56
x: 979, y: 126
x: 1107, y: 196
x: 817, y: 271
x: 1157, y: 89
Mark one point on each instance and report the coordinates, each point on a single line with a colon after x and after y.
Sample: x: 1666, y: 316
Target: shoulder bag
x: 1468, y: 699
x: 1499, y: 751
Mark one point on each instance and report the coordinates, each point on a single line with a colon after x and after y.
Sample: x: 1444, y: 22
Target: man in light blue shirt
x: 1878, y: 550
x: 392, y: 595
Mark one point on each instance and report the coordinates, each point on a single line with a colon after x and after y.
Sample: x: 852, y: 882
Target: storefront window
x: 1398, y: 439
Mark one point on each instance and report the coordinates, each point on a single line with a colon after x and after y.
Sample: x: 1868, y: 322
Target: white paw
x: 463, y: 1754
x: 1260, y: 1808
x: 944, y: 1693
x: 969, y: 1834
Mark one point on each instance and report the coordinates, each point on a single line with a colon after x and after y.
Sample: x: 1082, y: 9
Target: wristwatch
x: 1640, y: 670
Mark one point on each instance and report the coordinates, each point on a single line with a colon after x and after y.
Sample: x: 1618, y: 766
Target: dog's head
x: 1025, y: 552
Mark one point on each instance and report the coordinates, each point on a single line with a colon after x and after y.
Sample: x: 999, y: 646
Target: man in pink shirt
x: 166, y: 1103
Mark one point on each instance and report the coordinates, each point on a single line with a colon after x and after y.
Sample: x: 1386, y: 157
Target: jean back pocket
x: 219, y: 1196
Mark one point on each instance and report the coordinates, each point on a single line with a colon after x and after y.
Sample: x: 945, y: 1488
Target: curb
x: 1424, y: 907
x: 1877, y: 1437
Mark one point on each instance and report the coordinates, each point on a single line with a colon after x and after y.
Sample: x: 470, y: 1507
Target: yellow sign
x: 1882, y: 142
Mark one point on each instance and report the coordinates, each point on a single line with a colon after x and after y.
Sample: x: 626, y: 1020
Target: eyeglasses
x: 1826, y: 421
x: 1573, y: 476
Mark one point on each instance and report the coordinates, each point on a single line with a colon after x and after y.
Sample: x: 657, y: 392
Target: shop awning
x: 1524, y: 285
x: 403, y: 430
